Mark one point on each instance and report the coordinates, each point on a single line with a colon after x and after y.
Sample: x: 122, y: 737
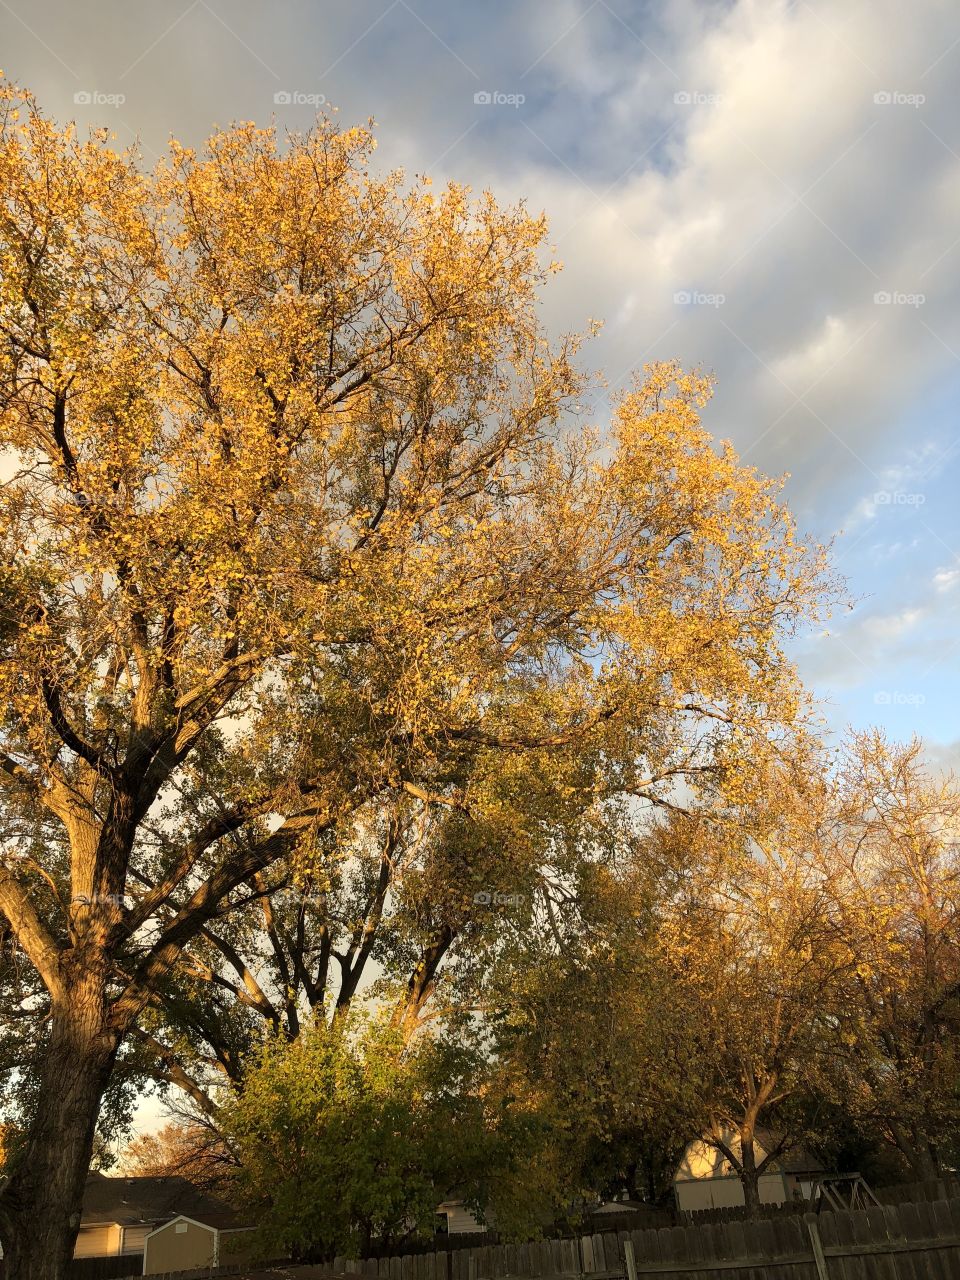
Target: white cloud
x: 889, y: 626
x: 946, y: 579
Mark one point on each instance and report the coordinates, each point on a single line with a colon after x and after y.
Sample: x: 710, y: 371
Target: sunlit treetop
x: 304, y: 508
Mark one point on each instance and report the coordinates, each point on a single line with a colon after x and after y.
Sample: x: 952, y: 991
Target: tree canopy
x: 305, y: 517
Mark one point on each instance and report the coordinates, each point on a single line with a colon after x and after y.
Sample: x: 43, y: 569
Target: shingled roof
x: 797, y: 1159
x: 129, y: 1201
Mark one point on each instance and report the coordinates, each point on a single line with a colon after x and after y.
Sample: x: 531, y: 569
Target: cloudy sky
x: 769, y: 189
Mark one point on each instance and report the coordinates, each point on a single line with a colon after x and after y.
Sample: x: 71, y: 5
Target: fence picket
x: 764, y: 1239
x: 573, y: 1263
x: 843, y: 1228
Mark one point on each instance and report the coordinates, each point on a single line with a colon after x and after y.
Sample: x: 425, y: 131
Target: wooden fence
x: 895, y: 1242
x: 106, y: 1268
x: 631, y: 1220
x: 734, y: 1213
x: 913, y: 1192
x: 907, y: 1241
x: 443, y: 1242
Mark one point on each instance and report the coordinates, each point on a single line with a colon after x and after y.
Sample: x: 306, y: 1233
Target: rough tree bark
x: 42, y: 1200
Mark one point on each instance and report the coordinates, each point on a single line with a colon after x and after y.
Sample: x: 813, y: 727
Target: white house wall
x: 694, y: 1194
x: 460, y: 1219
x: 101, y: 1241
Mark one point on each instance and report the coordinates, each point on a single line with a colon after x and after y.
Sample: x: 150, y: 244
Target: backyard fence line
x: 915, y: 1241
x: 108, y: 1267
x: 914, y: 1192
x: 914, y: 1234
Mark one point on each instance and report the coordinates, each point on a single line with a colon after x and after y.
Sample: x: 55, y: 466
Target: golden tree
x: 699, y: 1001
x: 759, y: 970
x: 300, y: 514
x: 187, y: 1150
x: 889, y: 862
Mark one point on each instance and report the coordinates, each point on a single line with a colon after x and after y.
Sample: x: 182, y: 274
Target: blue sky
x: 771, y: 190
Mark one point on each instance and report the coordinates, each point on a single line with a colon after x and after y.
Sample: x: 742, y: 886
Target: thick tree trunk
x: 919, y: 1152
x: 632, y: 1179
x: 748, y: 1175
x: 40, y: 1204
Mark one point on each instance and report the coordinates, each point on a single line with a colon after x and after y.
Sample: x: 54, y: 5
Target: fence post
x: 817, y: 1244
x: 630, y: 1259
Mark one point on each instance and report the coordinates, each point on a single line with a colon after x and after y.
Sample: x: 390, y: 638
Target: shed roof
x: 216, y: 1222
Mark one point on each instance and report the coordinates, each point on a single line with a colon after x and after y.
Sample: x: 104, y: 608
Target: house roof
x: 797, y: 1160
x: 224, y: 1220
x: 129, y: 1201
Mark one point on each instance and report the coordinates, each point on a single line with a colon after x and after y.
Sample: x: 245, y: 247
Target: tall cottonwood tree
x: 298, y: 517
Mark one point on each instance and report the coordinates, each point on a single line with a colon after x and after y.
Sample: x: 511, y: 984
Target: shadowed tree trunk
x: 919, y: 1152
x: 44, y: 1194
x: 749, y: 1176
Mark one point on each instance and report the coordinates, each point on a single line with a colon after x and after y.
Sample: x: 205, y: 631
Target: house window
x: 180, y: 1229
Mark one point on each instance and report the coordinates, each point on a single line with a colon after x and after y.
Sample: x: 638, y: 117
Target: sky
x: 770, y: 190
